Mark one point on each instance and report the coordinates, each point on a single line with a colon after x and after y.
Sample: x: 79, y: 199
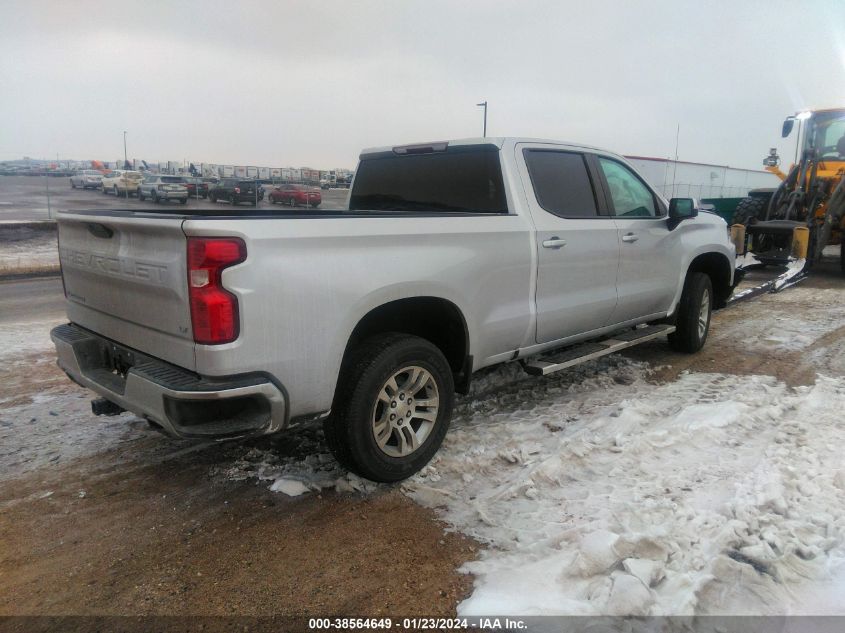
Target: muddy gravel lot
x: 102, y: 516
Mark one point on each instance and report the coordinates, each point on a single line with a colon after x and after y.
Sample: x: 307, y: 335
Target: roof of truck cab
x: 498, y: 141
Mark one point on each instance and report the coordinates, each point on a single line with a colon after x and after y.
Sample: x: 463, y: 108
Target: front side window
x: 561, y: 183
x: 629, y: 195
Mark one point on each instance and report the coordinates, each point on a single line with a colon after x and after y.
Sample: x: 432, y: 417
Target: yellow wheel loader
x: 791, y: 225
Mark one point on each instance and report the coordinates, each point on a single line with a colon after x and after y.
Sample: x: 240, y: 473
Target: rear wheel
x: 692, y: 319
x: 749, y: 210
x: 392, y: 407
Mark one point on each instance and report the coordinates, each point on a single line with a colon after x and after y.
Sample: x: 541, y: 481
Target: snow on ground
x: 790, y: 326
x: 598, y: 492
x: 54, y: 424
x: 604, y: 494
x: 32, y: 254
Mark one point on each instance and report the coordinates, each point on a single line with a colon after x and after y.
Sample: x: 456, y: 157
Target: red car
x: 296, y: 195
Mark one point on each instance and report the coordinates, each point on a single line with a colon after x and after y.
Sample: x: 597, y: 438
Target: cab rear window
x: 456, y: 180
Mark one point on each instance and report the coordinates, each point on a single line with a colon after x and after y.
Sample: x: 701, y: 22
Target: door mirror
x: 681, y: 209
x: 787, y: 127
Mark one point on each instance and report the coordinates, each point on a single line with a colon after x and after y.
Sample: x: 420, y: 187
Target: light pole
x: 484, y: 105
x: 125, y: 159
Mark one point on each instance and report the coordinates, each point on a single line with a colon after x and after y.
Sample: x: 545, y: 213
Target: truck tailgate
x: 126, y: 279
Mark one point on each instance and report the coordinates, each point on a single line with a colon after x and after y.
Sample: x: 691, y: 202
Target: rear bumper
x: 184, y: 404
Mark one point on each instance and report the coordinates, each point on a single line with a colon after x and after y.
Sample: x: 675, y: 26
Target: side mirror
x: 787, y: 127
x: 681, y: 209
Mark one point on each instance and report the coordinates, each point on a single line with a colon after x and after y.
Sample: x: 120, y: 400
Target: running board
x: 588, y: 351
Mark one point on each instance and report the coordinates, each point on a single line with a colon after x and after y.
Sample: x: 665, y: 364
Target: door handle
x: 630, y: 237
x: 555, y: 242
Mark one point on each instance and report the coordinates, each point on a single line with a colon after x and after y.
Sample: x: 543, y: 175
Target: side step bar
x: 570, y: 356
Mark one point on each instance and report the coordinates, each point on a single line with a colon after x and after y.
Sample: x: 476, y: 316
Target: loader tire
x: 749, y: 210
x: 692, y: 319
x: 392, y: 407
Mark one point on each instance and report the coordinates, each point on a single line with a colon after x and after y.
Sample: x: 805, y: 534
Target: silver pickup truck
x: 449, y: 257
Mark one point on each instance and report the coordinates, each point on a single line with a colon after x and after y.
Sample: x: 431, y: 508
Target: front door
x: 577, y: 245
x: 649, y: 252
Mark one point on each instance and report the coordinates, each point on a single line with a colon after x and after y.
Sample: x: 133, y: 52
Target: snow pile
x: 603, y: 494
x: 39, y: 253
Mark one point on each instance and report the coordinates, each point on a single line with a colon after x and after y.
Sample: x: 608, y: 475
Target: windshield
x: 462, y: 180
x: 826, y: 133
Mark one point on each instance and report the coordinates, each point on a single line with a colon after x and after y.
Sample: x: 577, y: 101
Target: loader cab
x: 823, y: 132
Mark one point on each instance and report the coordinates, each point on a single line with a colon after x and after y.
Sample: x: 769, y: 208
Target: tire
x: 692, y: 319
x: 749, y: 210
x: 233, y: 199
x: 314, y: 205
x: 291, y: 202
x: 351, y: 429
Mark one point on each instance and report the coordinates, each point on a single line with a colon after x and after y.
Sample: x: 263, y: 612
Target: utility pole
x: 125, y: 159
x: 484, y: 105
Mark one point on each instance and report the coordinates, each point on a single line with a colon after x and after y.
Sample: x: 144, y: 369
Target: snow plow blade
x: 795, y: 262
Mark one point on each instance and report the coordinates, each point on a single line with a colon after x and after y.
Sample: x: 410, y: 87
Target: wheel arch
x: 718, y: 268
x: 435, y: 319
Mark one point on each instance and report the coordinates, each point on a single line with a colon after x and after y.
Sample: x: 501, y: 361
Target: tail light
x: 237, y: 189
x: 214, y: 310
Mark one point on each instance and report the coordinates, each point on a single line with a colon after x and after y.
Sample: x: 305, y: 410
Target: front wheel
x: 692, y: 319
x: 392, y: 407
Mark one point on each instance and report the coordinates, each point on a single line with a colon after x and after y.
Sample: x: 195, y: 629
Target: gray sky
x: 311, y: 83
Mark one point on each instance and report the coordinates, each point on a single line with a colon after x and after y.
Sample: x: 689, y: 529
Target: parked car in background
x: 159, y: 188
x: 122, y: 182
x: 235, y: 191
x: 197, y: 187
x: 87, y: 179
x: 296, y: 195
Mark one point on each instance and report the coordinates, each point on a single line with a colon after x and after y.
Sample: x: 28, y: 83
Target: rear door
x: 125, y: 278
x: 577, y: 245
x: 649, y: 252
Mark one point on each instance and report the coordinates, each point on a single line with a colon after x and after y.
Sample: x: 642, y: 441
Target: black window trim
x: 602, y: 209
x: 658, y: 204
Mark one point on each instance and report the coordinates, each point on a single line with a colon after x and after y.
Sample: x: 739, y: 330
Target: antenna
x: 675, y: 170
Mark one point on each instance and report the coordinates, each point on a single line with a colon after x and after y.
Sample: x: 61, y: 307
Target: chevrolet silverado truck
x: 450, y: 257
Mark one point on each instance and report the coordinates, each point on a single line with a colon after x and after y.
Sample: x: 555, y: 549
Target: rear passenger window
x: 561, y: 183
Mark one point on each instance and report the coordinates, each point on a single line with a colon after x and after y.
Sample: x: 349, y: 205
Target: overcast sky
x: 311, y: 83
